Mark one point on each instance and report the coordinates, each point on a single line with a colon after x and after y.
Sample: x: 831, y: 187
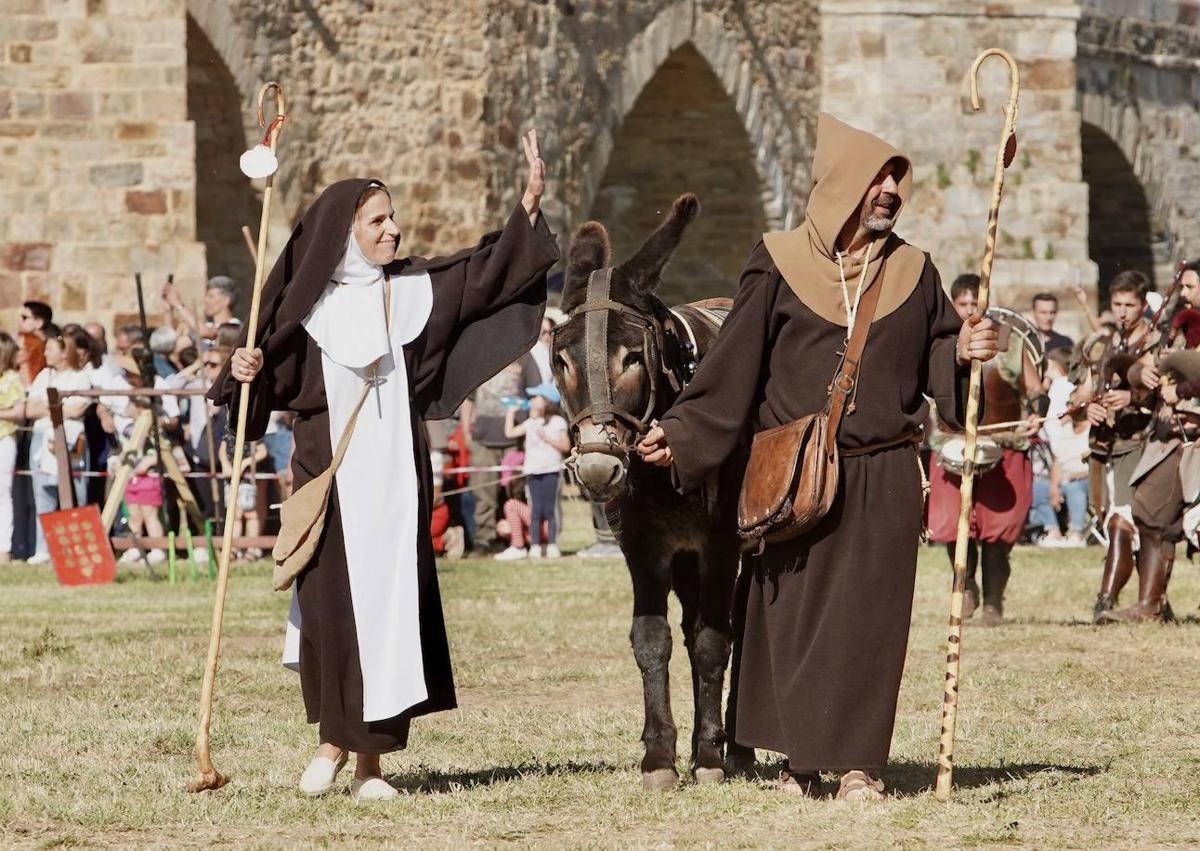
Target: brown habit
x: 487, y: 310
x: 827, y: 614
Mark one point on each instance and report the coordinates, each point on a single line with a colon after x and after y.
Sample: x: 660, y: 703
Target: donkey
x: 620, y: 361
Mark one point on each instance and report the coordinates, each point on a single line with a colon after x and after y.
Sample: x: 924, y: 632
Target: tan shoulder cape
x: 846, y: 161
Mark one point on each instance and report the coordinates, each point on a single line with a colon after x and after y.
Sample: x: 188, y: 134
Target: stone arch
x: 678, y: 24
x: 1149, y: 111
x: 1120, y: 233
x: 684, y: 134
x: 225, y: 198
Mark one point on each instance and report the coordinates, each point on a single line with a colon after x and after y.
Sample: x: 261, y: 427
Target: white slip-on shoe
x: 511, y: 554
x: 552, y: 551
x: 318, y: 778
x: 372, y: 789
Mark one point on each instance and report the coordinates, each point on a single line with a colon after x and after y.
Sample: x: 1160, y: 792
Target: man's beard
x: 879, y: 224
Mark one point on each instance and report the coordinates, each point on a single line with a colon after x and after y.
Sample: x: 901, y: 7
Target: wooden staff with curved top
x: 1004, y: 156
x: 207, y: 776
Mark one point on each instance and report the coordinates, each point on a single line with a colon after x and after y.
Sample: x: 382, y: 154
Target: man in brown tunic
x: 1106, y: 397
x: 827, y: 614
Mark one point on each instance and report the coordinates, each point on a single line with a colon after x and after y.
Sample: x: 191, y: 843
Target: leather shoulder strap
x: 845, y: 380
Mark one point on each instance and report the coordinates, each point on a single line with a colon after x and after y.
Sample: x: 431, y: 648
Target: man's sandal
x: 860, y: 786
x: 807, y: 784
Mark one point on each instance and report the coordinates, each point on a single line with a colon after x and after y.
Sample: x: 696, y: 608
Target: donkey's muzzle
x: 601, y: 475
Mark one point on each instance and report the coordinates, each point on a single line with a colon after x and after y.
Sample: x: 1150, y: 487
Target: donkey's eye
x: 631, y: 360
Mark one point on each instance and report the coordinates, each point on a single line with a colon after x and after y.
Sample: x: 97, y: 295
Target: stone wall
x: 900, y: 69
x: 100, y: 96
x: 96, y: 155
x: 582, y: 75
x: 1138, y: 84
x: 384, y: 89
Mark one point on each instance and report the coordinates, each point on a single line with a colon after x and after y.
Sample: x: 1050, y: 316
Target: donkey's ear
x: 590, y: 250
x: 644, y: 269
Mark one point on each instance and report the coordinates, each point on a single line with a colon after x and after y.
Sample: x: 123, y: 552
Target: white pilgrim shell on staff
x: 258, y: 162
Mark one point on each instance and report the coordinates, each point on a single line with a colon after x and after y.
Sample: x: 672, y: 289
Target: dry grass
x: 1069, y: 736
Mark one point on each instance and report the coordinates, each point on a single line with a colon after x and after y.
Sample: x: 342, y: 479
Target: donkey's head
x: 607, y: 357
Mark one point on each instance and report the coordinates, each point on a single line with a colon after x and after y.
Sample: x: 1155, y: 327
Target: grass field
x: 1069, y: 736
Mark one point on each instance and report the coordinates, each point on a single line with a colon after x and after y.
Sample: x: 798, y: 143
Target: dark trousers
x: 543, y: 505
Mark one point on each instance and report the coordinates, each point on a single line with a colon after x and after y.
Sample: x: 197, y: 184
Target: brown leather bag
x: 792, y: 476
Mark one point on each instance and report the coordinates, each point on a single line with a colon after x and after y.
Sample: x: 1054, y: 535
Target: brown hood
x: 846, y: 161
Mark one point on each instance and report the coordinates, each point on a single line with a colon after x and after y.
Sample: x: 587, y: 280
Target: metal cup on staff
x: 258, y: 162
x: 1004, y: 157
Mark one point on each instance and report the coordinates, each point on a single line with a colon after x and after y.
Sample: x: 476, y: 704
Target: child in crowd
x: 247, y: 520
x: 143, y: 494
x: 1064, y: 476
x: 546, y: 445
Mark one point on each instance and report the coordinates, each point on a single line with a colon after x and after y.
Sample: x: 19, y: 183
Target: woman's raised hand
x: 536, y: 186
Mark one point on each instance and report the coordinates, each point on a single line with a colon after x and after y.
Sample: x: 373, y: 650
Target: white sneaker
x: 1052, y: 543
x: 39, y: 558
x: 156, y: 557
x: 372, y: 789
x: 455, y: 539
x: 1073, y: 542
x: 552, y: 551
x: 535, y: 551
x: 130, y: 556
x: 318, y: 778
x: 511, y: 554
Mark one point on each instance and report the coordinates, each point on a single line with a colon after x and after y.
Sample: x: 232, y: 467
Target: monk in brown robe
x: 827, y: 613
x: 366, y: 630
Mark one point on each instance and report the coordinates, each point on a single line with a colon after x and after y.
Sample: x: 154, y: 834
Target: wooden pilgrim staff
x: 258, y: 162
x: 1004, y: 157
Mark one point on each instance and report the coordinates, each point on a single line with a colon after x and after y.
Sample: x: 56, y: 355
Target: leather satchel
x: 792, y: 476
x: 302, y: 515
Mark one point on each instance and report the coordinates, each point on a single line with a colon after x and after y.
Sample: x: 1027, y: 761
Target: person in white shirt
x: 1066, y: 476
x: 66, y: 357
x: 546, y: 444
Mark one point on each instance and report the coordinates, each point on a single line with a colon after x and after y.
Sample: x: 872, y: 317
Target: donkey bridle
x: 597, y: 309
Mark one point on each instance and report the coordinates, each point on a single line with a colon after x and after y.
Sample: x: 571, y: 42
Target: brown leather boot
x: 1118, y: 565
x: 996, y: 570
x: 1156, y: 557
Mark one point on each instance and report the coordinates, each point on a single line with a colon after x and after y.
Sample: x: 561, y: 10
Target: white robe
x: 377, y: 485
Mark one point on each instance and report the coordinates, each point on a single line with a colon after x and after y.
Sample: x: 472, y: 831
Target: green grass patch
x: 1069, y: 735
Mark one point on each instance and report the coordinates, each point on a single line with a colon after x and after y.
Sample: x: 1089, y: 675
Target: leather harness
x: 598, y: 310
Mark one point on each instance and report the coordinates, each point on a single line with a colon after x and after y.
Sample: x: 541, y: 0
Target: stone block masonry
x: 121, y: 122
x: 96, y: 155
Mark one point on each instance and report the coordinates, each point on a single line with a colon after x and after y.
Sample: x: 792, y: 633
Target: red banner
x: 79, y: 547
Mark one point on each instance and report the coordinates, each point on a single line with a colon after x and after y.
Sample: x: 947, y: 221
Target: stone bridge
x: 121, y: 122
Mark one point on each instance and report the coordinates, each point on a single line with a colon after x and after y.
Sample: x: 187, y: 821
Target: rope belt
x: 911, y: 437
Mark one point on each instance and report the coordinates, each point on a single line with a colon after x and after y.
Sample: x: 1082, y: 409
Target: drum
x: 953, y: 451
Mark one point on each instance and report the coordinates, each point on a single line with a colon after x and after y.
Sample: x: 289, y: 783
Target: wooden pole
x: 137, y: 439
x: 207, y: 776
x: 250, y: 243
x: 62, y: 455
x: 1004, y: 156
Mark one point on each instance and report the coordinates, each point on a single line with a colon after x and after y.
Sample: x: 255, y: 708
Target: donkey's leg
x: 685, y: 578
x: 739, y: 760
x: 651, y: 640
x: 711, y: 641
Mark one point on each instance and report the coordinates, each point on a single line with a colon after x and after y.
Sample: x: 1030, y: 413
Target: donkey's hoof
x: 709, y: 776
x: 660, y: 780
